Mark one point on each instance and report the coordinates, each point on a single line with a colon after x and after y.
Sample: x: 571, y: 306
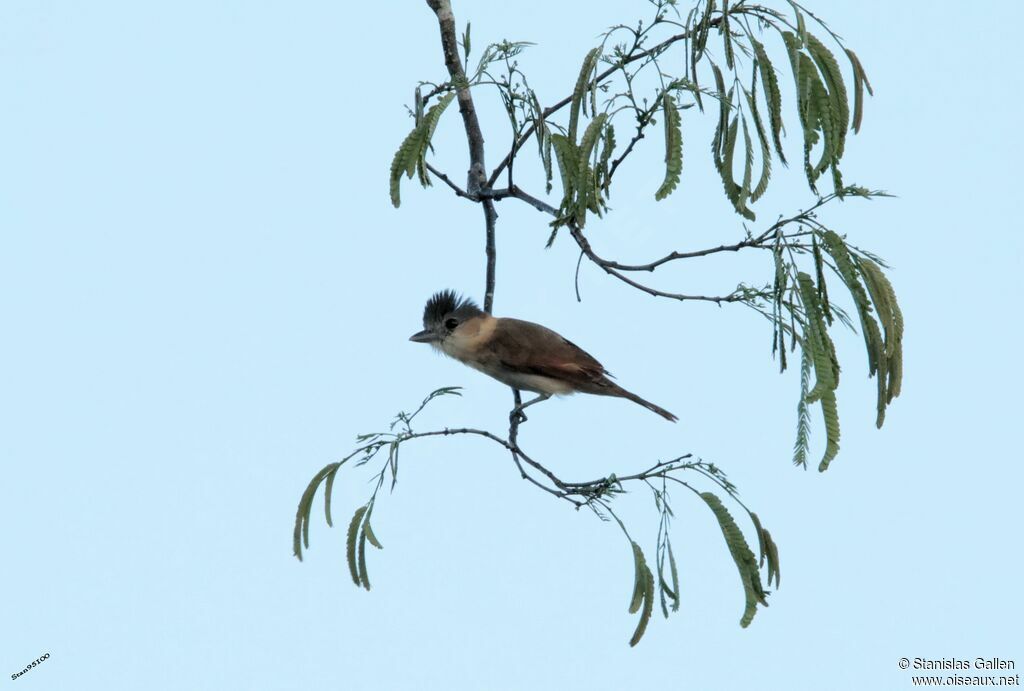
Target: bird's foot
x: 517, y: 416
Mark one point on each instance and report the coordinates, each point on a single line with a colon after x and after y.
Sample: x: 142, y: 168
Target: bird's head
x: 444, y: 313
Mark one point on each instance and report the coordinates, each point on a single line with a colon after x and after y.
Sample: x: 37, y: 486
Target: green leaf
x: 364, y: 577
x: 673, y: 147
x: 766, y: 152
x: 860, y: 81
x: 301, y: 533
x: 410, y: 155
x: 761, y: 548
x: 370, y: 536
x: 801, y: 27
x: 840, y: 102
x: 819, y: 271
x: 606, y: 154
x: 891, y: 316
x: 814, y: 106
x: 826, y: 367
x: 878, y: 358
x: 803, y: 414
x: 639, y: 564
x: 773, y: 560
x: 731, y: 188
x: 586, y: 184
x: 567, y: 157
x: 724, y: 106
x: 826, y: 124
x: 737, y: 194
x: 767, y: 549
x: 328, y: 491
x: 675, y: 578
x: 645, y: 585
x: 405, y: 156
x: 700, y: 36
x: 746, y: 564
x: 816, y: 118
x: 815, y: 335
x: 429, y: 124
x: 831, y: 415
x: 748, y: 167
x: 350, y: 544
x: 393, y: 450
x: 538, y: 118
x: 582, y: 84
x: 772, y: 95
x: 667, y: 590
x: 726, y: 34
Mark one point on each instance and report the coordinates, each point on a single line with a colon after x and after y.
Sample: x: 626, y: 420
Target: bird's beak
x: 425, y: 336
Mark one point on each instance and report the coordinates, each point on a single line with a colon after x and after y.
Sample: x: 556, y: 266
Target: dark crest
x: 448, y: 302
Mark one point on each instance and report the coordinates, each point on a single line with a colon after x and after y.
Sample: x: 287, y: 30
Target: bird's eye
x: 451, y: 324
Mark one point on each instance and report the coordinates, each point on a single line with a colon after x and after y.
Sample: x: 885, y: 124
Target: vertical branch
x: 490, y: 216
x: 477, y: 171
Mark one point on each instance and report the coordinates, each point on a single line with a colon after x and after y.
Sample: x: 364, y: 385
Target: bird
x: 520, y: 354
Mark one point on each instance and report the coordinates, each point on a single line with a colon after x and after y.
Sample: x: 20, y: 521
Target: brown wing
x: 530, y: 348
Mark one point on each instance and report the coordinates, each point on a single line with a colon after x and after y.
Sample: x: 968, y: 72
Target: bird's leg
x: 517, y: 412
x: 516, y: 417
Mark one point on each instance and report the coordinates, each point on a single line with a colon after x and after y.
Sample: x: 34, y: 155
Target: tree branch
x: 613, y: 268
x: 576, y: 493
x: 459, y: 192
x: 474, y: 136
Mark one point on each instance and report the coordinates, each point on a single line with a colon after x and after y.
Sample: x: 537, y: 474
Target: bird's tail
x: 646, y: 404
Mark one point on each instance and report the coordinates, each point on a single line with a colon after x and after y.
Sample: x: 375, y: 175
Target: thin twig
x: 448, y: 181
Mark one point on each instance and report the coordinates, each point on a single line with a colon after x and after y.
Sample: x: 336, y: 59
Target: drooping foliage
x: 596, y: 495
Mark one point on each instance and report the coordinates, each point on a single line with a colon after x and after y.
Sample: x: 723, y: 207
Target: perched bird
x: 521, y: 354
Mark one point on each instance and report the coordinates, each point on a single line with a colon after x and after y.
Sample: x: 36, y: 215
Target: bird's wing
x: 530, y: 348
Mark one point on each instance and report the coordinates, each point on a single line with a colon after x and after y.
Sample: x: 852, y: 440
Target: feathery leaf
x: 826, y: 366
x: 675, y: 578
x: 350, y: 545
x: 839, y: 100
x: 745, y: 561
x: 766, y: 152
x: 300, y: 537
x: 831, y: 414
x: 370, y: 536
x: 645, y: 585
x: 364, y: 577
x: 673, y: 147
x: 773, y: 559
x: 803, y: 413
x: 328, y: 491
x: 772, y: 95
x: 410, y: 155
x: 578, y: 94
x: 816, y: 336
x: 860, y: 81
x: 891, y: 316
x: 639, y: 564
x: 878, y: 357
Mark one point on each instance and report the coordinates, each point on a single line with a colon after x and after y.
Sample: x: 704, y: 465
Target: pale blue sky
x: 206, y: 295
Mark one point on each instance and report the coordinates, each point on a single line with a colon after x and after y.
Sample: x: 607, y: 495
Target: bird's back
x: 530, y: 348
